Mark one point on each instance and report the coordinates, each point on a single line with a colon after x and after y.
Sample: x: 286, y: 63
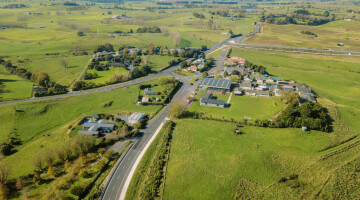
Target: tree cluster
x: 106, y: 47
x: 40, y: 78
x: 258, y: 68
x: 153, y: 29
x: 308, y: 33
x: 309, y: 114
x: 199, y: 15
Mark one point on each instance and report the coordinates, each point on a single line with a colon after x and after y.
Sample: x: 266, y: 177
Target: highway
x: 115, y: 185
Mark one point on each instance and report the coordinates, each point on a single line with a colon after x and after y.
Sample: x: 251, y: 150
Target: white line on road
x: 128, y: 179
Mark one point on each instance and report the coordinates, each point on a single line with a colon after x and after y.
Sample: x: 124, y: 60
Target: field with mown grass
x: 105, y: 76
x: 208, y: 161
x: 328, y: 35
x: 31, y: 122
x: 241, y: 107
x: 14, y: 86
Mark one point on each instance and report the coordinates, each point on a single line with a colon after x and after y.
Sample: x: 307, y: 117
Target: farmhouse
x: 212, y: 84
x: 192, y: 68
x: 149, y: 91
x: 94, y: 128
x: 136, y: 117
x: 236, y: 60
x: 199, y: 61
x: 145, y: 99
x: 208, y: 100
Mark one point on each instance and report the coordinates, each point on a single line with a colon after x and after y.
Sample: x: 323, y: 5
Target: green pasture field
x: 208, y: 161
x: 105, y: 76
x: 158, y: 62
x: 15, y: 87
x: 32, y: 121
x: 329, y: 35
x: 241, y: 107
x: 56, y: 70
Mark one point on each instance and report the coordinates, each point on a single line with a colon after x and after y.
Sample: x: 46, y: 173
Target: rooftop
x: 218, y: 83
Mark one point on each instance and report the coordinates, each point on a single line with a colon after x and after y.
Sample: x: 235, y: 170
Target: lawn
x: 241, y: 107
x: 105, y: 76
x: 157, y: 62
x: 15, y: 87
x: 32, y: 121
x: 207, y: 161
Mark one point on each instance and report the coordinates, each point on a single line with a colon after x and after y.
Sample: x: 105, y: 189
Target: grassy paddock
x: 15, y: 87
x: 240, y: 107
x: 207, y: 160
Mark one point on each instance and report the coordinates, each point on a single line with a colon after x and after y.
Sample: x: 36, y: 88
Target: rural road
x: 167, y: 72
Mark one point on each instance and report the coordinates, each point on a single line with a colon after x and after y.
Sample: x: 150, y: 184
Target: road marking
x: 128, y: 179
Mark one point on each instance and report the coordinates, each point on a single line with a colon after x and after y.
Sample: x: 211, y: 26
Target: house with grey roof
x: 208, y: 100
x: 246, y: 85
x: 96, y: 127
x: 238, y: 91
x: 149, y: 91
x: 212, y: 84
x: 258, y: 93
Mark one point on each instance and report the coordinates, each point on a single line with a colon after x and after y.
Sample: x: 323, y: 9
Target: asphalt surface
x: 113, y: 188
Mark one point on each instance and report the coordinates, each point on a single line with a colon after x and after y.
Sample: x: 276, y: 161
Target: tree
x: 183, y: 64
x: 19, y: 184
x: 290, y: 97
x: 64, y: 62
x: 175, y: 53
x: 38, y: 161
x: 51, y: 171
x: 177, y: 108
x: 326, y: 13
x: 203, y: 48
x: 151, y: 48
x: 231, y: 33
x: 203, y: 55
x: 235, y: 72
x: 109, y: 13
x: 4, y: 172
x: 41, y: 78
x: 226, y: 74
x: 205, y: 74
x: 234, y: 78
x: 182, y: 54
x: 4, y: 191
x: 7, y: 148
x: 80, y: 33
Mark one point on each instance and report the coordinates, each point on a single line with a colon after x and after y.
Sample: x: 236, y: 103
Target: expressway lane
x: 116, y: 184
